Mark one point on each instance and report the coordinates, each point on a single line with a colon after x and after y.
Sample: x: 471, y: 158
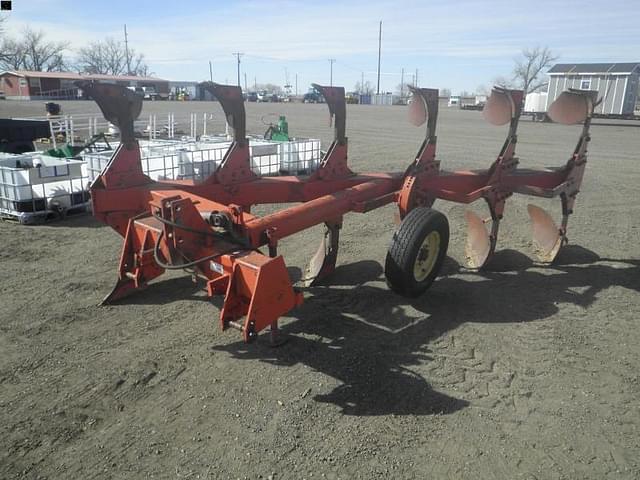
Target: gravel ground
x: 521, y: 371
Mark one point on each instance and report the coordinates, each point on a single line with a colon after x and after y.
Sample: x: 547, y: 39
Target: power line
x: 283, y: 59
x: 349, y: 66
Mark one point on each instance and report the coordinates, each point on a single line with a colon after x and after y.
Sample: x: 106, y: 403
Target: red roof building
x: 27, y: 85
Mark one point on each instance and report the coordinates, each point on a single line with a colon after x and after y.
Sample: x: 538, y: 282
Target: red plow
x: 208, y: 226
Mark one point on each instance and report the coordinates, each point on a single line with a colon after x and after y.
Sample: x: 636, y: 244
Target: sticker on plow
x: 216, y: 267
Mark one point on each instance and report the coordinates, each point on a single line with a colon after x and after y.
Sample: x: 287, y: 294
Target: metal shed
x: 617, y: 84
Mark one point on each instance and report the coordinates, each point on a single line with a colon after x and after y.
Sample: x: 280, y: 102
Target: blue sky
x: 453, y: 44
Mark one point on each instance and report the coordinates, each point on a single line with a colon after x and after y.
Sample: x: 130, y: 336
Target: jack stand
x: 276, y: 337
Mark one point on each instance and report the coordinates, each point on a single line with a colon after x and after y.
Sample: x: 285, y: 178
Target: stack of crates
x: 196, y: 160
x: 34, y: 186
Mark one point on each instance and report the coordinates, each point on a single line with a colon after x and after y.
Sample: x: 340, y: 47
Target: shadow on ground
x: 72, y: 220
x: 360, y: 333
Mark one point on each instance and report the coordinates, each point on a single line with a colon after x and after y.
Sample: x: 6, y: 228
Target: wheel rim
x: 427, y: 255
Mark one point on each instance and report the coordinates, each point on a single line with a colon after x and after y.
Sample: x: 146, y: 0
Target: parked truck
x: 148, y: 92
x: 535, y: 105
x: 473, y: 103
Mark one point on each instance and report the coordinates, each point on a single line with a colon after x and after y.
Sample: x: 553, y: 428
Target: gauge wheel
x: 417, y: 251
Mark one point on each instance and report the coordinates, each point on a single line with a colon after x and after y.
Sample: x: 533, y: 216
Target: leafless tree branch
x: 364, y: 88
x: 33, y: 52
x: 109, y: 57
x: 528, y: 68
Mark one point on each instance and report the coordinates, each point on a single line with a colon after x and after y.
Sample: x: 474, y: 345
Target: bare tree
x: 106, y: 58
x: 109, y: 57
x: 138, y: 65
x: 364, y: 88
x: 33, y: 52
x: 8, y: 50
x: 530, y: 66
x: 11, y: 54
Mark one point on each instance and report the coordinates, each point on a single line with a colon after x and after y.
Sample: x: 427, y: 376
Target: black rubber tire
x: 405, y: 246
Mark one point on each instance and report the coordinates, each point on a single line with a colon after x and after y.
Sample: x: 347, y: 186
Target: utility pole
x: 362, y: 83
x: 245, y: 82
x: 379, y: 54
x: 238, y: 55
x: 402, y: 85
x: 287, y: 85
x: 416, y: 83
x: 331, y: 62
x: 255, y: 83
x: 296, y: 84
x: 126, y: 50
x: 211, y: 71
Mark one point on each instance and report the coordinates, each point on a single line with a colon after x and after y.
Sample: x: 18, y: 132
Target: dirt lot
x: 521, y: 371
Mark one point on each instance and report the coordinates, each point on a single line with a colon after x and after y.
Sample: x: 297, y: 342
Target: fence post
x: 72, y: 130
x: 53, y: 133
x: 66, y: 128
